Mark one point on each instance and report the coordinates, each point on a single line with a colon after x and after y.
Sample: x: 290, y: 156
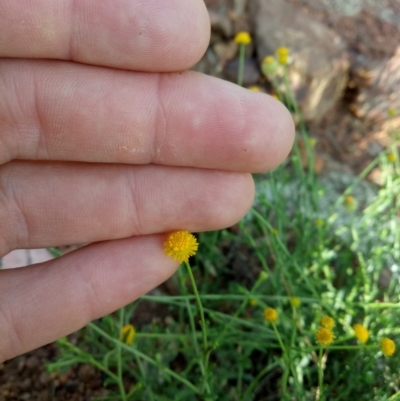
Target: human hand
x: 103, y: 142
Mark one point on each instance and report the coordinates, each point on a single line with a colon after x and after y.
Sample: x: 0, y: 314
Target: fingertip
x: 231, y: 198
x: 272, y: 131
x: 180, y: 38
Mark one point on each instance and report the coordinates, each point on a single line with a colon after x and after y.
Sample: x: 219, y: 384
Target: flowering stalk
x: 242, y: 39
x: 202, y: 322
x: 119, y: 358
x: 241, y: 64
x: 320, y: 373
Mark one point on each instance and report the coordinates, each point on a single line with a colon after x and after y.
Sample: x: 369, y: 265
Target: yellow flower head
x: 180, y: 245
x: 243, y: 38
x: 327, y: 322
x: 392, y: 112
x: 269, y: 65
x: 388, y: 346
x: 361, y: 332
x: 319, y: 222
x: 312, y: 141
x: 350, y: 203
x: 283, y: 55
x: 270, y: 315
x: 269, y: 60
x: 128, y: 334
x: 295, y: 302
x: 391, y: 157
x: 324, y: 336
x: 253, y: 302
x: 255, y: 88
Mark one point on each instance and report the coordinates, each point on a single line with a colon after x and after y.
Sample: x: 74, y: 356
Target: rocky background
x: 345, y: 66
x: 345, y: 70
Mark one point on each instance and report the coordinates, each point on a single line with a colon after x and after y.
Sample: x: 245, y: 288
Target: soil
x: 26, y: 378
x: 340, y: 134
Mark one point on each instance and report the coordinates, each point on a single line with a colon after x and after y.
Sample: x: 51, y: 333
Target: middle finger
x: 65, y: 111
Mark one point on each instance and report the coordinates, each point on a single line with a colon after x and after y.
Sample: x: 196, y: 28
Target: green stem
x: 285, y: 358
x: 119, y: 358
x: 202, y: 324
x: 320, y: 373
x: 134, y: 351
x: 242, y: 50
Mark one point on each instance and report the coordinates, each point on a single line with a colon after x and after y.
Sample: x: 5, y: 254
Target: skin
x: 105, y: 139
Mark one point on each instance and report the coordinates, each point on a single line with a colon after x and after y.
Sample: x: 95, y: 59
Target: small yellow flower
x: 391, y: 157
x: 253, y: 302
x: 270, y: 315
x: 269, y: 60
x: 327, y: 322
x: 388, y: 346
x: 283, y: 55
x: 319, y: 222
x: 361, y: 332
x: 128, y: 334
x: 312, y: 142
x: 180, y: 245
x: 324, y: 336
x: 295, y: 302
x: 275, y: 231
x: 392, y: 112
x: 350, y: 203
x: 255, y: 88
x: 269, y: 65
x: 243, y: 38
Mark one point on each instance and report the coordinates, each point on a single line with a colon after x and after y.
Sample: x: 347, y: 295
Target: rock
x: 371, y: 30
x: 220, y: 23
x: 378, y: 85
x: 370, y: 27
x: 320, y: 62
x: 251, y: 72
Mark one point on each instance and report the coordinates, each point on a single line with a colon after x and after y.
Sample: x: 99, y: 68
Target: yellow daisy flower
x: 350, y: 203
x: 128, y: 334
x: 269, y: 65
x: 361, y: 332
x: 391, y: 157
x: 270, y: 315
x: 180, y: 245
x: 327, y: 322
x: 295, y: 302
x: 324, y: 336
x: 388, y: 346
x: 243, y: 38
x: 283, y: 55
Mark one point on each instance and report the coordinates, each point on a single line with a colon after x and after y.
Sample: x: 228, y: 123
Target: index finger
x: 141, y: 35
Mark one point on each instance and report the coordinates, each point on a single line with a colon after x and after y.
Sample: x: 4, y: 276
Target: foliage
x: 294, y: 253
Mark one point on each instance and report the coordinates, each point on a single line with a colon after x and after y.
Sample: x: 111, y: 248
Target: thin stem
x: 119, y: 358
x: 200, y: 306
x: 134, y: 351
x: 285, y: 358
x: 206, y: 353
x: 320, y: 374
x: 241, y: 64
